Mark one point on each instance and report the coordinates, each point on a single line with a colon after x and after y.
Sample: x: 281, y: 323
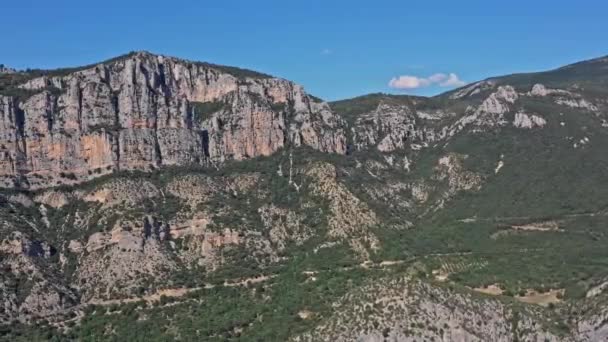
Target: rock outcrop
x: 392, y: 127
x: 349, y: 218
x: 143, y: 111
x: 523, y: 120
x: 27, y: 288
x: 404, y: 310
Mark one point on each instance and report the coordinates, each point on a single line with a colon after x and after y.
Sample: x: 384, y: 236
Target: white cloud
x: 414, y: 82
x: 326, y: 52
x: 452, y: 81
x: 408, y: 82
x: 437, y: 78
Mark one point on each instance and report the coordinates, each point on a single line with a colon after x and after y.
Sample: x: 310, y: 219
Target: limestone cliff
x: 143, y: 111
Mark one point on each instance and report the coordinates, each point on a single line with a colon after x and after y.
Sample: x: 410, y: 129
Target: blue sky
x: 336, y: 49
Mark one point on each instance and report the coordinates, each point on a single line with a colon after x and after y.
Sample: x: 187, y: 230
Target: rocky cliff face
x: 144, y: 111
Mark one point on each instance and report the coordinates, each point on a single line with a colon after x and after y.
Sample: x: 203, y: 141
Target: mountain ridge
x: 476, y: 215
x: 154, y: 98
x: 62, y: 70
x: 51, y: 71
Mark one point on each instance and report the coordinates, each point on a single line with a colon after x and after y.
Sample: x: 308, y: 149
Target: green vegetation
x: 239, y: 73
x: 202, y: 111
x: 266, y: 311
x: 9, y: 83
x: 540, y: 223
x: 544, y: 178
x: 108, y: 127
x: 591, y: 74
x: 350, y: 109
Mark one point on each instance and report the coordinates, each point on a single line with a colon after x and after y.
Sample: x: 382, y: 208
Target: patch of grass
x: 239, y: 73
x: 202, y: 111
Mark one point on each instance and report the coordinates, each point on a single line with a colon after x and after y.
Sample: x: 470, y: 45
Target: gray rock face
x: 143, y: 111
x: 402, y: 310
x: 392, y: 127
x: 28, y: 289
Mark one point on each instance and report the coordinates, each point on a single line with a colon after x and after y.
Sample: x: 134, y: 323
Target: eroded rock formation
x: 143, y: 111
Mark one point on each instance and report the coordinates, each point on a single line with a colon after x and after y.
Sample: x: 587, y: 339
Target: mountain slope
x: 231, y: 205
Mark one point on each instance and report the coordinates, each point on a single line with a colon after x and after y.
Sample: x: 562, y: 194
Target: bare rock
x: 350, y: 218
x: 144, y: 111
x: 522, y: 120
x: 55, y: 199
x: 407, y: 310
x: 21, y: 199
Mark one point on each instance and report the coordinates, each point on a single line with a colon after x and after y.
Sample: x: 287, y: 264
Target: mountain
x: 152, y: 198
x: 142, y: 111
